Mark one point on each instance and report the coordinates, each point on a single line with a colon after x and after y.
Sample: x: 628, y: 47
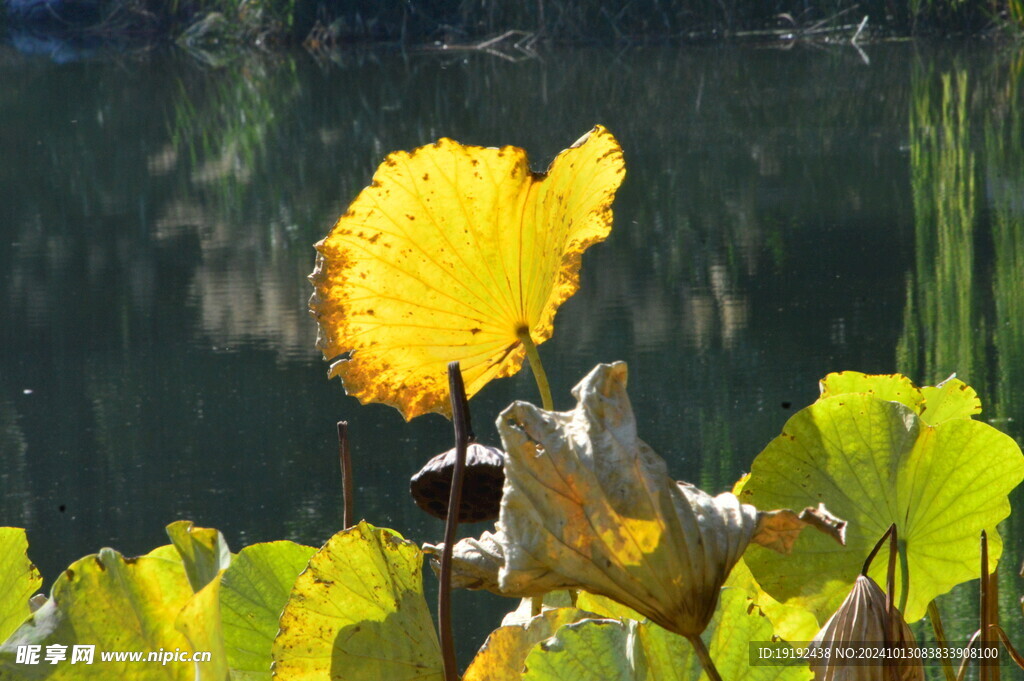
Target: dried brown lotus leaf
x: 862, y: 619
x: 778, y: 530
x: 475, y: 562
x: 589, y: 505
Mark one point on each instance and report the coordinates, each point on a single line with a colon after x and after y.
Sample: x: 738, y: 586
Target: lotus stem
x: 890, y: 583
x: 993, y: 622
x: 940, y: 637
x: 874, y: 551
x: 905, y: 571
x: 984, y: 607
x: 346, y: 474
x: 705, y: 658
x: 891, y: 635
x: 460, y: 419
x: 537, y: 367
x: 1014, y: 655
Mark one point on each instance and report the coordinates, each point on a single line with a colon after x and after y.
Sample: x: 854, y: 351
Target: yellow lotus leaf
x: 19, y: 579
x: 452, y: 253
x: 502, y: 655
x: 588, y: 505
x: 200, y: 621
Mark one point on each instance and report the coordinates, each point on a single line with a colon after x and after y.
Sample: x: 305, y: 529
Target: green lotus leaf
x: 203, y: 551
x: 200, y: 621
x: 627, y: 650
x: 875, y: 463
x: 790, y: 622
x: 951, y: 399
x: 606, y: 607
x: 591, y: 650
x: 112, y: 603
x: 253, y: 592
x: 502, y: 655
x: 891, y: 387
x: 358, y: 613
x: 19, y: 579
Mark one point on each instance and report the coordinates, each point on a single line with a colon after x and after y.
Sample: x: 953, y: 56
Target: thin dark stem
x: 346, y: 474
x: 705, y: 658
x: 891, y: 635
x: 993, y: 621
x: 460, y: 419
x: 984, y: 643
x: 876, y: 549
x: 1014, y: 655
x: 966, y: 655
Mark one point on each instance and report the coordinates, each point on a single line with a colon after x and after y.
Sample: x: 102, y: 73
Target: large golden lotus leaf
x: 450, y: 254
x: 588, y: 505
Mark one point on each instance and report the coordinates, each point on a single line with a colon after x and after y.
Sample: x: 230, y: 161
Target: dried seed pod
x: 862, y: 620
x: 481, y: 490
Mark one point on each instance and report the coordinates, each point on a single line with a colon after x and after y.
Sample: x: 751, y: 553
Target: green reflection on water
x: 967, y: 204
x: 942, y: 324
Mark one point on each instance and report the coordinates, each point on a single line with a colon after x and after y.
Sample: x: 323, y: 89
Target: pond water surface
x: 786, y: 213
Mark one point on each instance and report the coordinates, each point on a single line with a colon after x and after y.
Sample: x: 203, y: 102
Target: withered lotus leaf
x: 588, y: 505
x: 450, y: 254
x: 862, y: 619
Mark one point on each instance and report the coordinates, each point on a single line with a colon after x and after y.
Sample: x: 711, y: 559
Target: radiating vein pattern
x: 446, y: 255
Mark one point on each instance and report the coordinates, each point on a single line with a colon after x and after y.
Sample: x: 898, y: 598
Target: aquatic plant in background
x: 940, y: 318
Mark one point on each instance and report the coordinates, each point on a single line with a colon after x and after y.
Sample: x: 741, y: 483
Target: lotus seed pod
x: 481, y: 488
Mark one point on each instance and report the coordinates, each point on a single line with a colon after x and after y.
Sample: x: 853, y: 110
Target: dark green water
x: 785, y: 214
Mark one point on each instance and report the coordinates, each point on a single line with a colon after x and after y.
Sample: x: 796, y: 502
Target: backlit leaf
x: 448, y: 255
x: 951, y: 399
x: 502, y: 656
x: 357, y: 613
x: 19, y: 579
x: 875, y: 463
x: 606, y: 607
x: 115, y: 604
x: 599, y: 650
x: 200, y: 621
x: 892, y: 387
x: 253, y: 593
x: 790, y: 622
x: 203, y: 551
